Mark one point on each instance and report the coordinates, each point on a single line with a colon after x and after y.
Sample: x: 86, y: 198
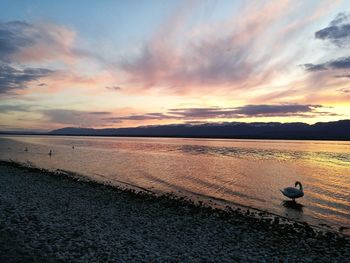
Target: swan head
x: 300, y: 185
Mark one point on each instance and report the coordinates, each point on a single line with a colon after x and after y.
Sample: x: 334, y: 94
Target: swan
x: 293, y: 192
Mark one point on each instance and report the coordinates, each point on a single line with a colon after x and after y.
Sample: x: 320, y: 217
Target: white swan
x: 293, y: 192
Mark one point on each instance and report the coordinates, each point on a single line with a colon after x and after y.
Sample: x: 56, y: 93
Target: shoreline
x: 96, y: 222
x: 196, y: 199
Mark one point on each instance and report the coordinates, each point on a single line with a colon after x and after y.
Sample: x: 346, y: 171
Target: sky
x: 133, y: 63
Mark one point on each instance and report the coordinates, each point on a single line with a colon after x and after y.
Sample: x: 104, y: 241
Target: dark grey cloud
x: 342, y: 76
x: 344, y: 90
x: 338, y: 31
x: 141, y: 117
x: 247, y: 111
x: 314, y: 67
x: 12, y: 108
x: 340, y: 63
x: 336, y: 64
x: 188, y: 115
x: 12, y: 78
x: 196, y: 114
x: 341, y: 18
x: 99, y: 112
x: 13, y: 37
x: 275, y: 110
x: 63, y: 116
x: 75, y: 117
x: 113, y: 88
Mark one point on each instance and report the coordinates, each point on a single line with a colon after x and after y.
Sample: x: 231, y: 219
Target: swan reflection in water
x: 293, y: 210
x: 293, y: 205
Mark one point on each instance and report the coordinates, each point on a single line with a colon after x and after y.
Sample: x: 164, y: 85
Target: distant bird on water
x: 293, y: 192
x: 50, y: 152
x: 26, y: 149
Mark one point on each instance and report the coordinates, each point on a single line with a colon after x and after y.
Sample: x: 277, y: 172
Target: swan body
x: 293, y: 192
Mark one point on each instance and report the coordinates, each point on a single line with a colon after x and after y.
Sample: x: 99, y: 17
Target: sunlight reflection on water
x: 247, y: 172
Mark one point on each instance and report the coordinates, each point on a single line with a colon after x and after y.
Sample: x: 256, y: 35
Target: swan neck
x: 300, y: 186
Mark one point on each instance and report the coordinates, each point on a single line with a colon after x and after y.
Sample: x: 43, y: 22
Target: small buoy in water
x: 50, y: 152
x: 26, y: 149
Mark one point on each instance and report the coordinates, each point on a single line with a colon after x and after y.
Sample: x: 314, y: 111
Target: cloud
x: 344, y: 90
x: 140, y: 117
x: 75, y: 117
x: 343, y: 76
x: 12, y: 108
x: 103, y: 118
x: 263, y: 110
x: 113, y: 88
x: 99, y: 112
x: 331, y: 75
x: 314, y: 67
x: 13, y: 39
x: 338, y: 31
x: 275, y: 110
x: 12, y: 78
x: 253, y: 49
x: 23, y: 42
x: 339, y: 63
x: 224, y: 55
x: 247, y: 111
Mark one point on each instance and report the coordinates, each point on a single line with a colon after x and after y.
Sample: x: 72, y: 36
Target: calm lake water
x: 245, y: 172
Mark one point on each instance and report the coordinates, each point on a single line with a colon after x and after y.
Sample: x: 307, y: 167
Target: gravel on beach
x: 45, y: 217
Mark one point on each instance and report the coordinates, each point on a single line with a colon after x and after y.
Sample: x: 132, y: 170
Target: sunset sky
x: 131, y: 63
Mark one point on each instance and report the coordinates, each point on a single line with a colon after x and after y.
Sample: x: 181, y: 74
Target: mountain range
x: 337, y: 130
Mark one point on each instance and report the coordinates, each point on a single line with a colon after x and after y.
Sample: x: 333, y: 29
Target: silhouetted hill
x: 338, y: 130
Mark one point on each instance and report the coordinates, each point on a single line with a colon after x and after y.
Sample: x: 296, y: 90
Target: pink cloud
x: 246, y: 52
x: 228, y: 58
x: 41, y: 43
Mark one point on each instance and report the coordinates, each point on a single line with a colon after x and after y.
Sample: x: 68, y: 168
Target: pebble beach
x: 51, y: 217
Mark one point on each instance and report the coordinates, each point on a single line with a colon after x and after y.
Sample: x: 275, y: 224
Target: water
x: 245, y: 172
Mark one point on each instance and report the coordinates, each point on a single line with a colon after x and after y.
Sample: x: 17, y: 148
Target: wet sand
x: 47, y: 217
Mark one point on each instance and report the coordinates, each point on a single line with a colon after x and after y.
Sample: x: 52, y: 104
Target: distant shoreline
x: 180, y: 137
